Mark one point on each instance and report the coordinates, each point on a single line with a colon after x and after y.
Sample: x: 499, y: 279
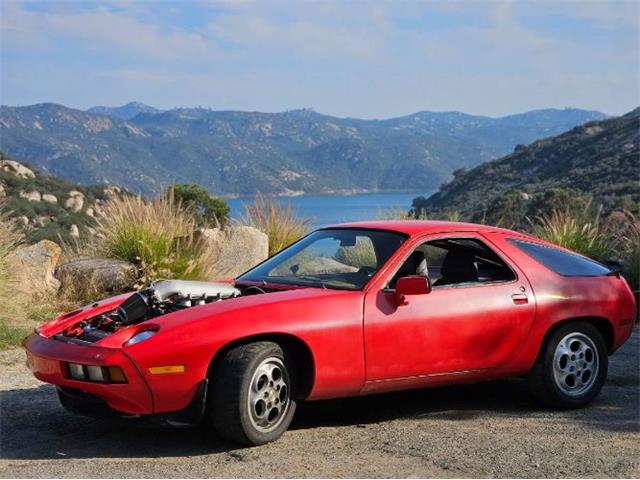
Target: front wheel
x: 251, y: 394
x: 571, y: 367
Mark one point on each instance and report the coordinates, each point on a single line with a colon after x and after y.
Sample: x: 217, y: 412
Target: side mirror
x: 411, y: 285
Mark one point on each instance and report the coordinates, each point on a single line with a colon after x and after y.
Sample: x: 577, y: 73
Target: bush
x: 158, y: 236
x: 581, y: 232
x: 208, y: 210
x: 279, y: 223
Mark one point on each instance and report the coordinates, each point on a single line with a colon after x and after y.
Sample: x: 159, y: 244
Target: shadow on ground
x: 34, y: 426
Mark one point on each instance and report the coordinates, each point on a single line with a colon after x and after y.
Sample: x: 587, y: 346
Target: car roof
x: 418, y: 227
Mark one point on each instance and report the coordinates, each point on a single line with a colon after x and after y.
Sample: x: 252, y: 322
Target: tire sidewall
x: 255, y: 436
x: 558, y: 396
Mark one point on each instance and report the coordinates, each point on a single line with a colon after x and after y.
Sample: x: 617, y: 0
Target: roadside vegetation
x: 278, y: 222
x: 158, y: 236
x: 12, y: 330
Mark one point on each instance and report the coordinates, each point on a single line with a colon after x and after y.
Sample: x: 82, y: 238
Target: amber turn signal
x: 166, y: 369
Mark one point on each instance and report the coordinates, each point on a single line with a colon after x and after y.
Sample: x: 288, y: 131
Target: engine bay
x: 158, y: 299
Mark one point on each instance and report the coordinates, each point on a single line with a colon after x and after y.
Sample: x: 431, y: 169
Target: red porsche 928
x: 348, y: 310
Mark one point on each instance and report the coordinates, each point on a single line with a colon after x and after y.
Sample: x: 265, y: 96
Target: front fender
x: 329, y: 322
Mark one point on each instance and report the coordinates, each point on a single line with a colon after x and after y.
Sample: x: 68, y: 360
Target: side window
x: 455, y: 261
x: 563, y: 263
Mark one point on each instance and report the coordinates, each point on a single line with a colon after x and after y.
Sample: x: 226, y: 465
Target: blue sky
x: 345, y: 58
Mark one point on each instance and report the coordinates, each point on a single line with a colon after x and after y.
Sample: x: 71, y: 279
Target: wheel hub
x: 269, y: 394
x: 575, y: 364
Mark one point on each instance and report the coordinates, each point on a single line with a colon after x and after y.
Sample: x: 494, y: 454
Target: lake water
x: 328, y: 209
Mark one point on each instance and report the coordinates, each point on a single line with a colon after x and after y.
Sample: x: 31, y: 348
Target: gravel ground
x: 486, y: 430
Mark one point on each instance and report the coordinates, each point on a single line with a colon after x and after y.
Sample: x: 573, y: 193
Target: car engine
x: 158, y: 299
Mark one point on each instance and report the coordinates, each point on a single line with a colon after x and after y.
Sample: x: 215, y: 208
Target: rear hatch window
x: 561, y: 262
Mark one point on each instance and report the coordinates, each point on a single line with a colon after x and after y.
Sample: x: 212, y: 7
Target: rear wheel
x: 251, y: 399
x: 571, y: 367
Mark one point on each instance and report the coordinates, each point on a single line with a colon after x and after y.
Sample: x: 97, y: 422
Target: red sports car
x: 348, y: 310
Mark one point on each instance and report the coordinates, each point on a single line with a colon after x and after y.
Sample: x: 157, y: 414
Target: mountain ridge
x: 291, y: 152
x: 599, y: 159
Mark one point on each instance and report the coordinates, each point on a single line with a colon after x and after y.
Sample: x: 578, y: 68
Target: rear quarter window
x: 563, y: 263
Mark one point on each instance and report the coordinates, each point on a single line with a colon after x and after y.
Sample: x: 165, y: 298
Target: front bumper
x: 46, y: 358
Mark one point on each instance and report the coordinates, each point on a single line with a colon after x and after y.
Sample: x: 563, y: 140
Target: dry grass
x: 401, y: 214
x: 13, y: 325
x: 581, y: 232
x: 158, y: 236
x: 627, y: 226
x: 278, y: 222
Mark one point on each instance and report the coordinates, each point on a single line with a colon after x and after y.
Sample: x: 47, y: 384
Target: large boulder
x: 36, y: 265
x: 16, y: 168
x: 96, y: 273
x: 239, y: 248
x: 75, y: 202
x: 33, y: 196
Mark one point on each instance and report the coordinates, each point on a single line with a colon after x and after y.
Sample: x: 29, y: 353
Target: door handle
x: 520, y: 298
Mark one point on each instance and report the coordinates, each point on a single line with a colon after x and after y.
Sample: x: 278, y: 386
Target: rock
x: 3, y: 192
x: 74, y: 231
x: 75, y: 202
x: 24, y: 220
x: 89, y: 211
x: 16, y: 168
x: 112, y: 190
x: 239, y: 249
x: 37, y: 265
x: 47, y: 197
x: 100, y: 274
x: 33, y: 196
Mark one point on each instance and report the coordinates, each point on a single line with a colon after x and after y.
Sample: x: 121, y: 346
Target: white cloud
x: 98, y: 29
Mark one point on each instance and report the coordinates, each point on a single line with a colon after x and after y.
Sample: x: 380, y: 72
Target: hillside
x: 292, y: 152
x: 600, y: 159
x: 47, y: 207
x: 124, y: 112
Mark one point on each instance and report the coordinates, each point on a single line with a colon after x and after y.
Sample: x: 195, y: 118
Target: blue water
x: 328, y: 209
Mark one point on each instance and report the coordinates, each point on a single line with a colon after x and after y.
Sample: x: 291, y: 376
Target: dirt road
x: 492, y: 429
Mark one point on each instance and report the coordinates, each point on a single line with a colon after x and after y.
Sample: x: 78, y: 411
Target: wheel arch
x: 291, y: 344
x: 603, y: 325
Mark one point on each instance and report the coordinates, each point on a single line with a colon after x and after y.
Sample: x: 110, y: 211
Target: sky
x: 344, y: 58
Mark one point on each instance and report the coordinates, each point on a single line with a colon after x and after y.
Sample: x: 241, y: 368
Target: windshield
x: 338, y: 258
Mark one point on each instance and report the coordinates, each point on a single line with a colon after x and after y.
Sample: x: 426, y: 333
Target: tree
x: 208, y: 210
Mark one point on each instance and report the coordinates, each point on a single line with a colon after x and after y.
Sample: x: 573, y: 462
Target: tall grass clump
x: 581, y: 232
x: 362, y: 254
x: 12, y: 330
x: 402, y: 214
x: 158, y: 236
x: 629, y: 243
x: 278, y: 222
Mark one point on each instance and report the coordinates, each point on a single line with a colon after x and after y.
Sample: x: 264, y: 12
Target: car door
x: 455, y: 328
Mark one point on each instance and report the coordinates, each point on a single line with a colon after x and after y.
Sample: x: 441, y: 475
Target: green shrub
x: 158, y: 236
x: 207, y: 209
x: 278, y: 222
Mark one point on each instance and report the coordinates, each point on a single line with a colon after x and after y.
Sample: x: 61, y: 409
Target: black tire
x: 548, y: 387
x: 229, y: 408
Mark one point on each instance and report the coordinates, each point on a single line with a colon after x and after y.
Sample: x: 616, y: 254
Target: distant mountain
x: 125, y: 112
x: 292, y: 152
x: 599, y: 159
